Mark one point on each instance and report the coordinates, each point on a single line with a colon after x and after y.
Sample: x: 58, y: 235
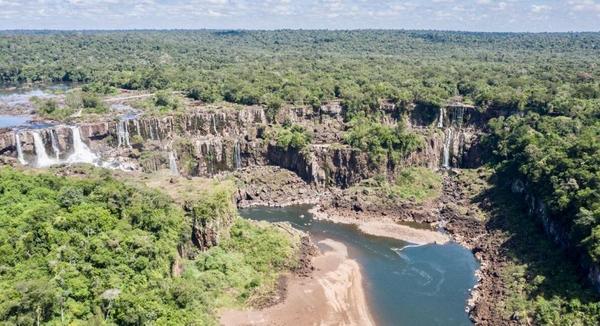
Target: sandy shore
x: 333, y: 295
x: 386, y: 228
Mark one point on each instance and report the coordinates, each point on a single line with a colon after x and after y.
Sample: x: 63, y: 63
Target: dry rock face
x: 205, y: 142
x: 272, y: 186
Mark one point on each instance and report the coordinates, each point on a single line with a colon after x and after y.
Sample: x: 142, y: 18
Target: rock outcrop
x: 556, y: 231
x: 205, y: 142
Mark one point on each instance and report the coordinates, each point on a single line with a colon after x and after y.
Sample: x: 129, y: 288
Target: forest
x: 543, y: 91
x: 96, y: 250
x: 550, y: 80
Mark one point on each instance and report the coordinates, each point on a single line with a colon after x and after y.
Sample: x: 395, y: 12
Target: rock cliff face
x: 205, y: 142
x: 554, y: 230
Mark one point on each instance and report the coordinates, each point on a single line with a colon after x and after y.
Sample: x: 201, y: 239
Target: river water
x: 405, y: 284
x: 19, y: 97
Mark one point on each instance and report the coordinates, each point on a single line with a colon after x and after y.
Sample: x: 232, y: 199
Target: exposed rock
x: 208, y: 141
x: 272, y: 186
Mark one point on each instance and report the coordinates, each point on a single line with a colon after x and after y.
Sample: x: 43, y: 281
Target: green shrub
x: 101, y: 252
x: 381, y: 141
x: 292, y: 137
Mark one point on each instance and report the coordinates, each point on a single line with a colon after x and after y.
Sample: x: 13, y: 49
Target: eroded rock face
x: 205, y: 142
x: 272, y: 186
x: 556, y: 231
x: 208, y: 224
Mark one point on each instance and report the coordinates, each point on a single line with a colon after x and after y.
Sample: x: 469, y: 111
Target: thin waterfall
x: 151, y: 130
x: 447, y: 143
x: 263, y: 117
x: 123, y: 134
x: 42, y: 159
x: 126, y: 128
x: 81, y: 152
x: 173, y: 163
x: 19, y: 149
x: 237, y: 155
x: 55, y: 147
x: 157, y: 130
x: 459, y: 116
x: 119, y: 134
x: 137, y: 127
x: 441, y: 119
x: 214, y: 124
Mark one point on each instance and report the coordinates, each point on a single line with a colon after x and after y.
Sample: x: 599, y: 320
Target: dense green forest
x: 542, y: 71
x: 559, y: 158
x: 552, y: 80
x: 544, y: 87
x: 94, y: 250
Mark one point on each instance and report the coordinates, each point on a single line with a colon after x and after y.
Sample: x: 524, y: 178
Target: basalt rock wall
x: 555, y: 230
x: 205, y: 142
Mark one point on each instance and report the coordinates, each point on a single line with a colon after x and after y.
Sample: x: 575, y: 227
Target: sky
x: 464, y: 15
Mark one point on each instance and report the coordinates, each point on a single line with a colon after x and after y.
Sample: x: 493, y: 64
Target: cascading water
x: 55, y: 147
x: 123, y: 134
x: 263, y: 117
x: 137, y: 127
x: 148, y: 127
x: 19, y: 149
x: 456, y: 116
x: 173, y: 164
x: 42, y: 159
x: 447, y: 143
x: 237, y: 156
x: 157, y: 130
x: 214, y: 124
x: 460, y: 112
x: 81, y: 152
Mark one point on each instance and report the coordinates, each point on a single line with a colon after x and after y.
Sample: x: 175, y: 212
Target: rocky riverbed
x: 457, y: 211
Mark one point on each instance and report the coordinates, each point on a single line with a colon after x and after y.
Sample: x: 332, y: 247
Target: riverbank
x: 383, y: 227
x: 332, y: 295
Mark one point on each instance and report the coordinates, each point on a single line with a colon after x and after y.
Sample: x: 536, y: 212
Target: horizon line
x: 290, y: 29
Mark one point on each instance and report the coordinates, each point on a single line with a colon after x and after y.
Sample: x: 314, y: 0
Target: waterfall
x: 459, y: 116
x: 19, y: 149
x: 55, y: 147
x: 237, y: 156
x: 263, y: 117
x: 214, y: 124
x: 157, y: 130
x: 123, y: 134
x: 151, y: 130
x: 173, y: 163
x: 81, y: 152
x: 441, y: 118
x: 137, y: 127
x: 447, y: 144
x: 42, y: 159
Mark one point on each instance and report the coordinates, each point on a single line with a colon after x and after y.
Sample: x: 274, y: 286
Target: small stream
x: 405, y: 284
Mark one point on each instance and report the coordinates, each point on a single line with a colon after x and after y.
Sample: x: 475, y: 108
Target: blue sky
x: 471, y: 15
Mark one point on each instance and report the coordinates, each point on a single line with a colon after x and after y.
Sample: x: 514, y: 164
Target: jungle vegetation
x: 543, y: 88
x: 95, y: 250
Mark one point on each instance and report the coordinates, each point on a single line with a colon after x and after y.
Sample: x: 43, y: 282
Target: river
x: 405, y: 284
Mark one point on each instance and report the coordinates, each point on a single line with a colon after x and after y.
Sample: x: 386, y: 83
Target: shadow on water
x: 405, y: 284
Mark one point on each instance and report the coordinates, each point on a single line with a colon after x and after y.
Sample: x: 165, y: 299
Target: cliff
x: 205, y: 142
x: 556, y: 231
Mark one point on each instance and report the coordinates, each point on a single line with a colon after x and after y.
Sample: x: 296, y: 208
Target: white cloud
x: 484, y: 15
x: 584, y: 5
x: 540, y: 8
